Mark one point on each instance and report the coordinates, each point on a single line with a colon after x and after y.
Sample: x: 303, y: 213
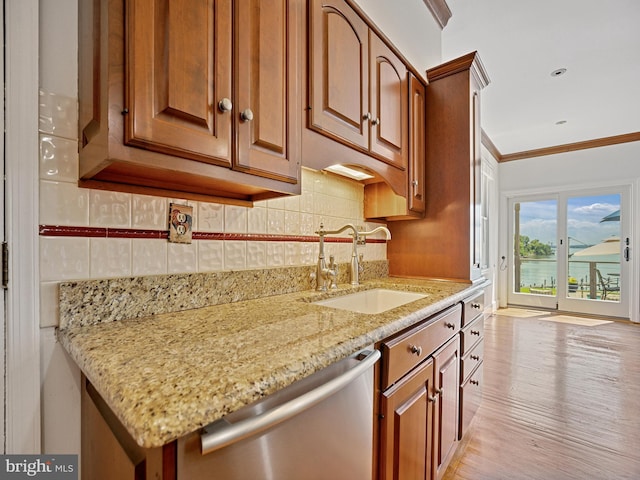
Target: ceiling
x: 527, y: 111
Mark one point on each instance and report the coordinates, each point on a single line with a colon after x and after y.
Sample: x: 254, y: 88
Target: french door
x: 570, y: 251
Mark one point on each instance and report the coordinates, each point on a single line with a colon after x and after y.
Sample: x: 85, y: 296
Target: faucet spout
x: 376, y: 230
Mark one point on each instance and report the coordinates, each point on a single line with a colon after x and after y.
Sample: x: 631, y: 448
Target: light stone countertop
x: 168, y: 375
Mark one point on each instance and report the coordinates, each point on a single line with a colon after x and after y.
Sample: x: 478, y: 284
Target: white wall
x: 611, y: 165
x: 410, y: 27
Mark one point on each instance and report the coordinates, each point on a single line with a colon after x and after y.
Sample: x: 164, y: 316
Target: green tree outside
x: 534, y: 248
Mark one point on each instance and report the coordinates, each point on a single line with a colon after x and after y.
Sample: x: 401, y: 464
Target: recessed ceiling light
x: 561, y: 122
x: 558, y: 72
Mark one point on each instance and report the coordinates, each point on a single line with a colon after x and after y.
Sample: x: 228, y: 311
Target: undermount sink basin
x: 373, y: 301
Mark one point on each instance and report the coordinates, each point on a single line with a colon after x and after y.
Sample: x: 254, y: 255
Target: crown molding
x: 568, y: 147
x: 440, y: 11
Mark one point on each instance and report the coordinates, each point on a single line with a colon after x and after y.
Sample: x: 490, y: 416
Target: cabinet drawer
x: 405, y: 351
x: 472, y: 359
x: 473, y: 307
x: 472, y: 334
x: 470, y: 397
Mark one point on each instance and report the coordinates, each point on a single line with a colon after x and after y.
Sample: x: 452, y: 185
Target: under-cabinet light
x: 348, y: 172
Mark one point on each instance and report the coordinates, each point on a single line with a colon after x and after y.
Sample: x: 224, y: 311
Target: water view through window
x: 591, y: 258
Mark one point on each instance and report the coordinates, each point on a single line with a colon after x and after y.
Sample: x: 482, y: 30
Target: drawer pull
x: 416, y: 349
x: 450, y: 325
x: 475, y: 332
x: 474, y: 382
x: 476, y: 306
x: 475, y: 357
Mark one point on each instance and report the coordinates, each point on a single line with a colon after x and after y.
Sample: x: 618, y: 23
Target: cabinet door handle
x: 474, y: 382
x: 475, y: 332
x: 450, y: 325
x: 246, y: 115
x: 225, y: 105
x: 415, y: 349
x: 475, y: 357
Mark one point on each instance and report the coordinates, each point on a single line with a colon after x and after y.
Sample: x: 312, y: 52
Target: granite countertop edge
x: 168, y: 375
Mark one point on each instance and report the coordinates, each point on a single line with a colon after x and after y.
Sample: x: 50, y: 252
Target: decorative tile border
x: 109, y: 232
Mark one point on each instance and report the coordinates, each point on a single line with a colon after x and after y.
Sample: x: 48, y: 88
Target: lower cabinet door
x: 447, y: 384
x: 470, y: 397
x: 406, y: 432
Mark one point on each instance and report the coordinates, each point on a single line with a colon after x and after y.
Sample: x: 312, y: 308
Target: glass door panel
x: 595, y: 255
x: 533, y: 246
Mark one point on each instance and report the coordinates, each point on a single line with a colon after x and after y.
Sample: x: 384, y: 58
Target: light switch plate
x: 180, y: 223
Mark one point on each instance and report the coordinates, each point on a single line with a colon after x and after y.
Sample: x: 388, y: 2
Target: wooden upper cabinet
x: 417, y: 145
x: 339, y: 78
x: 357, y: 84
x: 267, y: 85
x: 388, y: 92
x: 178, y: 65
x: 197, y: 99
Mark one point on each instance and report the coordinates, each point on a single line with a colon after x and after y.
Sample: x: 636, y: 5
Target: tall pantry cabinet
x: 447, y: 242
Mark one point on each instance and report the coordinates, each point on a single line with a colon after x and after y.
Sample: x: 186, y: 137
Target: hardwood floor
x: 561, y: 401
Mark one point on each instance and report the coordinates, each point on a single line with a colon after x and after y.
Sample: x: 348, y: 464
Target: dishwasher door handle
x: 222, y: 433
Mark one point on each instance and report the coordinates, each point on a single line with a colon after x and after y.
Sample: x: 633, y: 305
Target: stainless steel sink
x: 372, y: 301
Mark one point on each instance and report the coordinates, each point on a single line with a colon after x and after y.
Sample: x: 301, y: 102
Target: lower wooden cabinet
x: 419, y: 408
x: 447, y: 369
x: 407, y: 410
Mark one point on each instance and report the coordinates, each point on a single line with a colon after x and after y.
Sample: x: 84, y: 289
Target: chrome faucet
x: 355, y: 260
x: 324, y: 274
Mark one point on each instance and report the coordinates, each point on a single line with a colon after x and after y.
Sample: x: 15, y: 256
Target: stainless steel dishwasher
x: 320, y: 427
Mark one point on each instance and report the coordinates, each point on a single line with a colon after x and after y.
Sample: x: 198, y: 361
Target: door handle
x: 222, y: 433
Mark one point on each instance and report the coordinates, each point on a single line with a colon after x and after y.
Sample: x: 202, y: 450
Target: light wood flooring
x: 561, y: 402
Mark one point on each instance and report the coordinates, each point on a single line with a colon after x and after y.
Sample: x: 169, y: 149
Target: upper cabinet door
x: 339, y: 72
x: 417, y: 147
x: 268, y: 115
x: 388, y: 104
x: 178, y: 69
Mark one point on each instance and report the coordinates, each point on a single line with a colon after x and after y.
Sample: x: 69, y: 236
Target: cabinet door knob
x: 225, y: 105
x: 476, y: 306
x: 475, y: 332
x: 415, y: 349
x: 375, y: 121
x: 439, y: 391
x: 433, y: 399
x: 367, y: 116
x: 475, y: 357
x: 474, y: 382
x: 246, y: 115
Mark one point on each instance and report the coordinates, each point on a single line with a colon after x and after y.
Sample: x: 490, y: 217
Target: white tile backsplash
x: 257, y: 220
x: 149, y: 212
x: 235, y: 255
x: 64, y: 258
x: 58, y: 158
x: 210, y: 217
x: 109, y: 209
x: 210, y: 255
x: 235, y: 219
x: 182, y: 258
x: 63, y: 204
x: 256, y: 254
x: 58, y: 115
x: 110, y: 257
x: 148, y: 257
